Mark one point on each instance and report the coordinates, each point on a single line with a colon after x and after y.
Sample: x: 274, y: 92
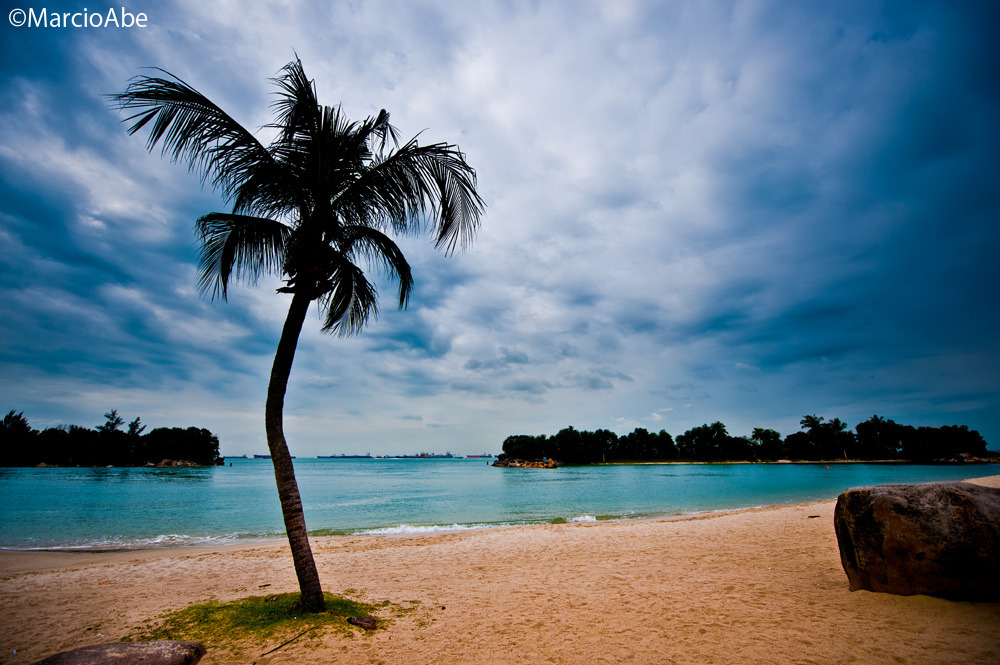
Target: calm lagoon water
x: 122, y: 508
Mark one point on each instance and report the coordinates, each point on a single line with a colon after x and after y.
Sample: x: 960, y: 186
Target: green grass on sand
x: 251, y: 622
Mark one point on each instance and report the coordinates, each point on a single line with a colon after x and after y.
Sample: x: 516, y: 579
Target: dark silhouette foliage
x: 819, y: 439
x: 16, y: 436
x: 572, y: 446
x: 106, y: 445
x: 713, y: 443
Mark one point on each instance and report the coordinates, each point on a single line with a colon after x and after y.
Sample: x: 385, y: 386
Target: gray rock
x: 130, y: 653
x: 939, y: 539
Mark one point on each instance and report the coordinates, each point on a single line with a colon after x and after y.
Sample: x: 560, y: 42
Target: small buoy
x: 828, y: 467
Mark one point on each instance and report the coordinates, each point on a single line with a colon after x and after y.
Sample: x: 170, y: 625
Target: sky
x: 697, y: 211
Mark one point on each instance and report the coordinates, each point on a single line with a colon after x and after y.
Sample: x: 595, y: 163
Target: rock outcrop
x: 939, y: 539
x: 130, y: 653
x: 513, y: 462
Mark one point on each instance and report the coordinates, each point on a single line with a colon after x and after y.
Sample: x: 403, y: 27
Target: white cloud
x: 689, y: 203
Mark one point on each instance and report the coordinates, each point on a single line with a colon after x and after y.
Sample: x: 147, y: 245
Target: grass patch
x: 256, y: 620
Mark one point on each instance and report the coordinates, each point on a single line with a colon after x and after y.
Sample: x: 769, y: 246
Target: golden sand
x: 757, y: 586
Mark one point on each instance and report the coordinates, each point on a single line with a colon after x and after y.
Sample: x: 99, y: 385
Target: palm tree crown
x: 317, y: 201
x: 310, y: 207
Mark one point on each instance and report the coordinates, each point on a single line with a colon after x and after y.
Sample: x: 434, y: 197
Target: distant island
x: 876, y: 439
x: 109, y: 444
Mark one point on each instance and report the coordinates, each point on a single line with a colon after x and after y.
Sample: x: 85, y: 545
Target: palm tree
x: 812, y: 422
x: 314, y: 207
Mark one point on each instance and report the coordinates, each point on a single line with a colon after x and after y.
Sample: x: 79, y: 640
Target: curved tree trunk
x: 284, y: 473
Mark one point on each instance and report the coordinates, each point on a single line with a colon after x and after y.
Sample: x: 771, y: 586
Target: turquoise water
x: 122, y: 508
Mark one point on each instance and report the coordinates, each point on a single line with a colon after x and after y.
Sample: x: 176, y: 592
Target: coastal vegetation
x: 108, y: 444
x: 313, y: 208
x: 246, y: 623
x: 874, y: 439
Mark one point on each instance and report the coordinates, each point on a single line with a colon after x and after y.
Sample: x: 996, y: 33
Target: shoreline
x: 410, y: 531
x: 420, y: 530
x: 57, y: 557
x: 755, y: 585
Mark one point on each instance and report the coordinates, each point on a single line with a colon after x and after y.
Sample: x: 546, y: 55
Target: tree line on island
x: 109, y: 444
x: 819, y: 439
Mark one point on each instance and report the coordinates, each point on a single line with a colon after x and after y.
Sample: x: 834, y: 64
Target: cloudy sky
x: 697, y: 211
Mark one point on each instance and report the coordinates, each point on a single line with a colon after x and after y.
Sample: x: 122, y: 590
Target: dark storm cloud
x: 697, y: 211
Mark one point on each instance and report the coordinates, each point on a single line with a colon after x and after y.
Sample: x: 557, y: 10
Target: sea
x: 102, y: 509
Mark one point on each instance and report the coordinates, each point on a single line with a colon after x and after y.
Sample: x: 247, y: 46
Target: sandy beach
x: 757, y: 586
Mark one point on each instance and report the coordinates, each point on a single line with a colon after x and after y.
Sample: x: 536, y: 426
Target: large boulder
x: 130, y: 653
x: 939, y: 539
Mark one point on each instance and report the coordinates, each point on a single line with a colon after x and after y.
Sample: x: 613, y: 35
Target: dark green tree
x: 877, y: 438
x: 16, y: 439
x: 641, y: 444
x: 525, y: 446
x: 315, y: 206
x: 951, y: 442
x: 566, y: 446
x: 16, y: 425
x: 87, y: 446
x: 819, y: 440
x: 594, y: 446
x: 635, y: 445
x: 959, y: 440
x: 112, y: 422
x: 55, y: 447
x: 707, y: 442
x: 768, y: 443
x: 136, y: 445
x: 190, y: 444
x: 664, y: 446
x: 135, y: 428
x: 114, y: 446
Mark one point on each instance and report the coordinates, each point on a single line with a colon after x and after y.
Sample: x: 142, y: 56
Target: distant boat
x: 483, y: 456
x: 268, y: 456
x: 235, y: 456
x: 424, y: 456
x: 365, y: 456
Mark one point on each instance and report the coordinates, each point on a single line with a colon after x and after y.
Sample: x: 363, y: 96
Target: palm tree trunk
x: 284, y: 472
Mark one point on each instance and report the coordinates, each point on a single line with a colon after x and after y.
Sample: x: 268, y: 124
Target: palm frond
x: 238, y: 247
x: 325, y: 158
x: 402, y: 189
x: 460, y: 206
x: 190, y: 128
x: 338, y: 185
x: 379, y: 249
x: 377, y: 130
x: 298, y: 110
x: 351, y: 303
x: 273, y: 191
